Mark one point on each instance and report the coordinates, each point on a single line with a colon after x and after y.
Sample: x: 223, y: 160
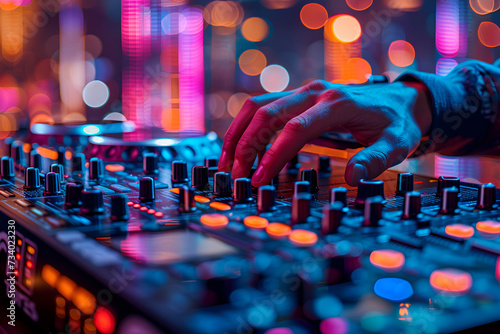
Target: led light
x: 459, y: 231
x: 50, y: 275
x: 151, y: 211
x: 95, y: 94
x: 66, y: 287
x: 84, y: 300
x: 255, y: 222
x: 387, y: 259
x: 18, y: 257
x: 115, y: 168
x: 488, y: 227
x: 201, y: 199
x: 452, y: 281
x: 278, y: 230
x: 303, y: 238
x: 91, y: 130
x: 214, y: 220
x: 393, y: 289
x: 175, y: 190
x: 29, y: 264
x: 158, y: 214
x: 104, y: 321
x: 19, y: 242
x: 144, y: 208
x: 220, y: 206
x: 130, y: 203
x: 136, y: 206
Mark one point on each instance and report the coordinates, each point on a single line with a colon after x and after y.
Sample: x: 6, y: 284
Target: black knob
x: 486, y: 197
x: 449, y: 201
x: 332, y: 216
x: 266, y: 198
x: 179, y: 172
x: 73, y: 195
x: 52, y: 184
x: 211, y: 162
x: 447, y: 182
x: 119, y: 207
x: 92, y: 202
x: 146, y: 189
x: 411, y: 205
x: 405, y: 183
x: 222, y: 185
x: 324, y: 165
x: 242, y: 190
x: 301, y: 187
x: 150, y: 163
x: 59, y: 169
x: 338, y: 195
x: 186, y: 199
x: 17, y: 153
x: 96, y: 169
x: 61, y: 155
x: 7, y: 168
x: 199, y: 178
x: 78, y: 162
x: 8, y: 144
x: 373, y: 210
x: 311, y: 175
x: 31, y: 178
x: 35, y: 160
x: 301, y: 208
x: 368, y: 189
x: 293, y: 165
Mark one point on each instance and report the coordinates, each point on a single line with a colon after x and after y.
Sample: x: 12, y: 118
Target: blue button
x: 393, y: 289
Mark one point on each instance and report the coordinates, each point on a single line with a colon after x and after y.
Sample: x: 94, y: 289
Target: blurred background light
x: 95, y: 94
x: 483, y: 7
x: 359, y: 4
x: 278, y: 4
x: 401, y: 53
x: 235, y: 103
x: 346, y: 28
x: 255, y: 29
x: 404, y: 5
x: 313, y: 16
x: 445, y: 65
x: 447, y: 27
x: 358, y: 71
x: 252, y: 62
x: 274, y: 78
x: 173, y: 23
x: 489, y: 34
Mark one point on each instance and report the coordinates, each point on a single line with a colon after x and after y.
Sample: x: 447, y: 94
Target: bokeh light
x: 401, y: 53
x: 483, y: 7
x: 346, y: 28
x: 313, y: 16
x: 252, y: 62
x: 358, y: 71
x: 95, y: 94
x: 223, y: 13
x: 173, y: 23
x: 235, y: 103
x: 489, y: 34
x: 278, y: 4
x: 359, y: 4
x: 274, y: 78
x: 445, y: 65
x: 255, y: 29
x: 406, y: 5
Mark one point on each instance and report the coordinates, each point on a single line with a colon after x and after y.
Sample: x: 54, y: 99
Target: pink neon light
x: 9, y: 97
x: 447, y: 27
x: 445, y: 65
x: 191, y: 72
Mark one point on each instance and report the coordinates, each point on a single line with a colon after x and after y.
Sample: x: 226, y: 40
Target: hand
x: 389, y: 119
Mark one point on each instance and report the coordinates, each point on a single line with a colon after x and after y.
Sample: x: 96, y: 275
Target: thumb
x: 387, y: 151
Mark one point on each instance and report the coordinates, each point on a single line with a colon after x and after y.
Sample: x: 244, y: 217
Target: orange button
x: 158, y: 214
x: 460, y: 231
x: 115, y: 168
x: 255, y: 222
x: 387, y: 259
x: 488, y: 227
x: 451, y: 280
x: 175, y: 190
x: 201, y: 199
x: 220, y: 206
x: 278, y: 230
x: 303, y: 238
x: 214, y: 220
x: 151, y: 211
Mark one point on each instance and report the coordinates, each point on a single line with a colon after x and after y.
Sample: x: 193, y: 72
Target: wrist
x: 422, y: 109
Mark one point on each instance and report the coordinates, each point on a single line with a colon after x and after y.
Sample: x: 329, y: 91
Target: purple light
x: 445, y: 65
x: 447, y: 27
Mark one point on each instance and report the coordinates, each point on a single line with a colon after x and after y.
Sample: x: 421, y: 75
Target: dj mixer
x: 156, y: 244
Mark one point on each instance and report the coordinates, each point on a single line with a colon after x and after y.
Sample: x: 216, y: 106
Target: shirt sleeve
x: 465, y: 108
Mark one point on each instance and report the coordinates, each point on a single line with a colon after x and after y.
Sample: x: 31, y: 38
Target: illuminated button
x: 31, y: 250
x: 115, y: 168
x: 19, y: 242
x: 29, y: 264
x: 144, y: 208
x: 278, y: 230
x: 104, y: 321
x: 136, y: 206
x: 201, y: 199
x: 451, y: 280
x: 151, y: 211
x: 175, y: 190
x: 255, y: 222
x: 18, y: 257
x: 130, y: 203
x: 488, y: 227
x: 220, y: 206
x: 303, y: 238
x: 460, y: 231
x: 159, y: 214
x: 214, y: 220
x: 387, y: 259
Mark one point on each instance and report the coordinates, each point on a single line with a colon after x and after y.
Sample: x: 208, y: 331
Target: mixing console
x: 175, y: 246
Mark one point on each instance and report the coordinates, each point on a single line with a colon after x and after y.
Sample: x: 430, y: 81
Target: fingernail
x: 258, y: 175
x: 223, y: 161
x: 236, y: 169
x: 359, y: 172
